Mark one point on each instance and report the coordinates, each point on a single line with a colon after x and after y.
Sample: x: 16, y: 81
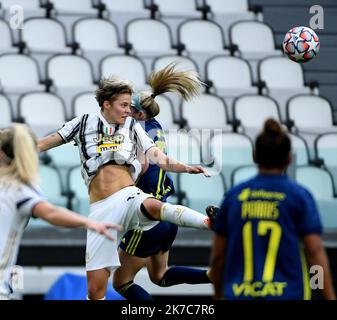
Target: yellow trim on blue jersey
x: 305, y: 276
x: 137, y: 241
x: 132, y: 246
x: 127, y: 248
x: 158, y: 195
x: 134, y: 235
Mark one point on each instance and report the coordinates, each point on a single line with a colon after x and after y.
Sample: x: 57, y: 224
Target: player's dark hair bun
x: 272, y: 127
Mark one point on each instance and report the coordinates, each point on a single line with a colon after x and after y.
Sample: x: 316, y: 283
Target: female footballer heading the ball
x: 151, y: 248
x: 108, y: 142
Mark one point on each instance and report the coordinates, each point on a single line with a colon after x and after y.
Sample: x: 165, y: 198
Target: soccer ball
x: 301, y: 44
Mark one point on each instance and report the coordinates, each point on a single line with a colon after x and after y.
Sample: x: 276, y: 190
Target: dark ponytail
x: 272, y: 146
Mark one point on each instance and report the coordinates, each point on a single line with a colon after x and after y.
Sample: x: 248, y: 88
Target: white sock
x: 183, y: 216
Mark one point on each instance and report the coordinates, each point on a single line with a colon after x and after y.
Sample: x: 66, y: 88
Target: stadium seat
x: 74, y: 7
x: 18, y: 74
x: 44, y: 35
x: 52, y: 189
x: 36, y: 108
x: 230, y: 150
x: 5, y: 111
x: 251, y: 111
x: 230, y: 87
x: 227, y: 12
x: 64, y: 158
x: 83, y: 103
x: 243, y: 173
x: 319, y: 181
x: 320, y: 184
x: 158, y: 40
x: 91, y: 34
x: 202, y: 39
x: 70, y: 75
x: 330, y: 92
x: 166, y: 116
x: 122, y: 11
x: 51, y: 185
x: 300, y: 150
x: 255, y: 40
x: 129, y: 68
x: 201, y: 191
x: 43, y: 38
x: 183, y: 146
x: 69, y: 11
x: 76, y: 186
x: 174, y: 12
x: 326, y: 149
x: 283, y: 79
x: 6, y: 43
x: 311, y: 116
x: 183, y: 63
x: 213, y: 106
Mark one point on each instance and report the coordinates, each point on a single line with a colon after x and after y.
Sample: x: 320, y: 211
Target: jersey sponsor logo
x: 109, y: 143
x: 260, y: 194
x: 259, y: 289
x: 116, y: 138
x: 109, y: 147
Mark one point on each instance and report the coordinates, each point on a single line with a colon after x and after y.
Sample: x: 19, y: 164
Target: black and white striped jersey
x: 100, y: 142
x: 16, y: 204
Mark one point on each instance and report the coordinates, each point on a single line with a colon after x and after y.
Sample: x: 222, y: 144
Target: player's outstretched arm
x: 171, y: 164
x: 316, y: 255
x: 49, y: 142
x: 65, y: 218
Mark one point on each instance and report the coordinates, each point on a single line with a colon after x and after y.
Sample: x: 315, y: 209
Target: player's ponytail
x: 186, y: 83
x: 18, y: 154
x: 272, y: 146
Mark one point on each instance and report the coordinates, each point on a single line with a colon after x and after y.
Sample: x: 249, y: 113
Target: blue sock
x: 132, y: 291
x: 178, y: 275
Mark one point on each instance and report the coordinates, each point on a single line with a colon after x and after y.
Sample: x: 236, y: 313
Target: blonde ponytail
x: 186, y: 83
x: 19, y: 146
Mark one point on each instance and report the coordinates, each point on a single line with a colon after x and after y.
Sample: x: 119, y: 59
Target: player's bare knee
x: 157, y: 277
x: 96, y: 290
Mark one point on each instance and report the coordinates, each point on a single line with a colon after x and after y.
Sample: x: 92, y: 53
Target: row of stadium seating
x: 68, y: 75
x: 251, y: 40
x: 307, y: 116
x: 122, y: 11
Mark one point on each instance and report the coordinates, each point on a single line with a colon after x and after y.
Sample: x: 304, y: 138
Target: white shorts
x: 123, y: 208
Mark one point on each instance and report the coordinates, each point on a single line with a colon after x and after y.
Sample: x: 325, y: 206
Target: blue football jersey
x: 155, y: 180
x: 264, y: 220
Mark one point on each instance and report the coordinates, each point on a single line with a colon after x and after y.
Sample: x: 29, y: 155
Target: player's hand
x: 197, y: 170
x: 103, y: 228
